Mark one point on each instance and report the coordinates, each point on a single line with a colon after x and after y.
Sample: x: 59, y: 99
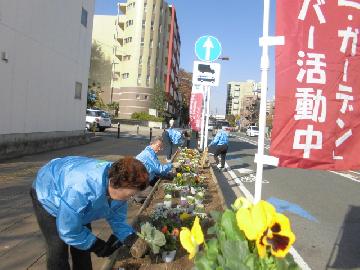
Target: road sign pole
x: 207, y: 116
x: 202, y: 120
x: 262, y: 116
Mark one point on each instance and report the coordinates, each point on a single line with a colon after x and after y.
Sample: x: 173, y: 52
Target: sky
x: 238, y: 26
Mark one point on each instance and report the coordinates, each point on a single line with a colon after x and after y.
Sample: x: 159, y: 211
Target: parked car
x: 100, y: 118
x: 212, y: 124
x: 252, y: 131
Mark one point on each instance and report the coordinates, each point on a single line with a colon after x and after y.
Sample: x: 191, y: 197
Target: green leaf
x: 228, y: 223
x: 221, y: 260
x: 251, y: 261
x: 202, y: 263
x: 159, y: 238
x: 234, y: 252
x: 212, y: 249
x: 155, y: 249
x: 212, y: 230
x: 216, y: 215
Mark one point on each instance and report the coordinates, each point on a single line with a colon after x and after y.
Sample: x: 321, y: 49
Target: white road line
x: 346, y: 175
x: 297, y: 258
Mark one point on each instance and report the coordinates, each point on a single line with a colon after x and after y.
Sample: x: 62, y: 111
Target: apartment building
x: 148, y: 53
x: 236, y: 93
x: 103, y: 35
x: 44, y: 66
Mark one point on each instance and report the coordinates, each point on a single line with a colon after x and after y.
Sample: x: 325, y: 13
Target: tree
x: 99, y: 76
x: 158, y: 100
x: 185, y: 85
x: 114, y: 107
x: 231, y: 119
x: 93, y: 97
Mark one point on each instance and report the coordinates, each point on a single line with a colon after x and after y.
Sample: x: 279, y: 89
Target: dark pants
x: 57, y: 255
x: 168, y: 145
x: 220, y: 150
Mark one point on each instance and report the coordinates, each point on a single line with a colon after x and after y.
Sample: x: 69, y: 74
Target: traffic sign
x: 207, y: 48
x: 205, y: 73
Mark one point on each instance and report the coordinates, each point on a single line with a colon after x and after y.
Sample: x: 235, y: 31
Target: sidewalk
x: 21, y: 243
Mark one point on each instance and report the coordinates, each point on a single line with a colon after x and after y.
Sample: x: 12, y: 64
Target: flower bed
x: 183, y: 193
x: 186, y: 226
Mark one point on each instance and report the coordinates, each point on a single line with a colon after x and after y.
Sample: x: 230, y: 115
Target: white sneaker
x: 219, y: 165
x: 168, y: 160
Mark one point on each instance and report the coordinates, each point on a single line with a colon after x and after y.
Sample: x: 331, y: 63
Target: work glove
x: 105, y: 249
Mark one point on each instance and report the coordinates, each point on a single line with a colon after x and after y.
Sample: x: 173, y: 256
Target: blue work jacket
x: 175, y: 136
x: 221, y: 138
x: 152, y: 164
x: 75, y: 191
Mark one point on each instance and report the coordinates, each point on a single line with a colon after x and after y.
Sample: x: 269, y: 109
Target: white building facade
x: 45, y: 51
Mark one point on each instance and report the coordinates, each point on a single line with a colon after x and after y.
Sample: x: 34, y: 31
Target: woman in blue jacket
x: 71, y: 192
x: 171, y: 137
x: 220, y: 143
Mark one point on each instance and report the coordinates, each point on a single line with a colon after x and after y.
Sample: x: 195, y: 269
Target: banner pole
x: 264, y: 66
x: 207, y: 116
x: 202, y: 119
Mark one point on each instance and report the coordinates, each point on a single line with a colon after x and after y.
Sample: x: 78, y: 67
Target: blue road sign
x: 207, y: 48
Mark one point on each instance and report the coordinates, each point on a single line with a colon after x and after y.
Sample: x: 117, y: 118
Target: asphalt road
x: 324, y: 207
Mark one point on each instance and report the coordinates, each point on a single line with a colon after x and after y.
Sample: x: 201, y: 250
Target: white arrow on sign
x: 208, y: 46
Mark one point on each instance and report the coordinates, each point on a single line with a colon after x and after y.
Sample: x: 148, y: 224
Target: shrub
x: 143, y: 116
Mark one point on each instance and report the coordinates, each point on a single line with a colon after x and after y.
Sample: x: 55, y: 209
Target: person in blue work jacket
x: 171, y: 137
x: 71, y: 192
x: 220, y: 144
x: 149, y: 158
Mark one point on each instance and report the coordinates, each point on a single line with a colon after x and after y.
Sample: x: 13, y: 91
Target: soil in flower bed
x: 212, y: 201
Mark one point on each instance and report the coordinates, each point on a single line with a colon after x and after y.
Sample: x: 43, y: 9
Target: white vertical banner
x: 207, y: 116
x: 203, y: 118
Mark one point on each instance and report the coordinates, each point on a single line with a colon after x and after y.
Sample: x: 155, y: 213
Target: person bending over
x: 71, y: 192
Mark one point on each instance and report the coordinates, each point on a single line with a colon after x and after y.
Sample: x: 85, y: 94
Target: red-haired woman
x: 71, y: 192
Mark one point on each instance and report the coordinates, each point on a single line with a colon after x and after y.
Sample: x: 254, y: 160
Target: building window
x: 151, y: 43
x: 129, y: 23
x: 146, y: 97
x: 142, y: 42
x: 78, y: 89
x: 127, y: 57
x: 128, y: 39
x: 143, y: 23
x: 125, y: 75
x: 139, y: 79
x: 148, y: 80
x: 84, y: 15
x: 138, y: 96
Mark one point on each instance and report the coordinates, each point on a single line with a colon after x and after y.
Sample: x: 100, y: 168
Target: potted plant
x: 153, y: 238
x: 191, y: 202
x: 248, y: 236
x: 168, y: 201
x: 168, y: 251
x: 199, y: 197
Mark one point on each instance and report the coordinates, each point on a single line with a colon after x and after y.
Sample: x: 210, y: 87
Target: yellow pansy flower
x: 279, y: 236
x: 190, y: 240
x: 241, y: 202
x: 255, y: 220
x: 184, y: 216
